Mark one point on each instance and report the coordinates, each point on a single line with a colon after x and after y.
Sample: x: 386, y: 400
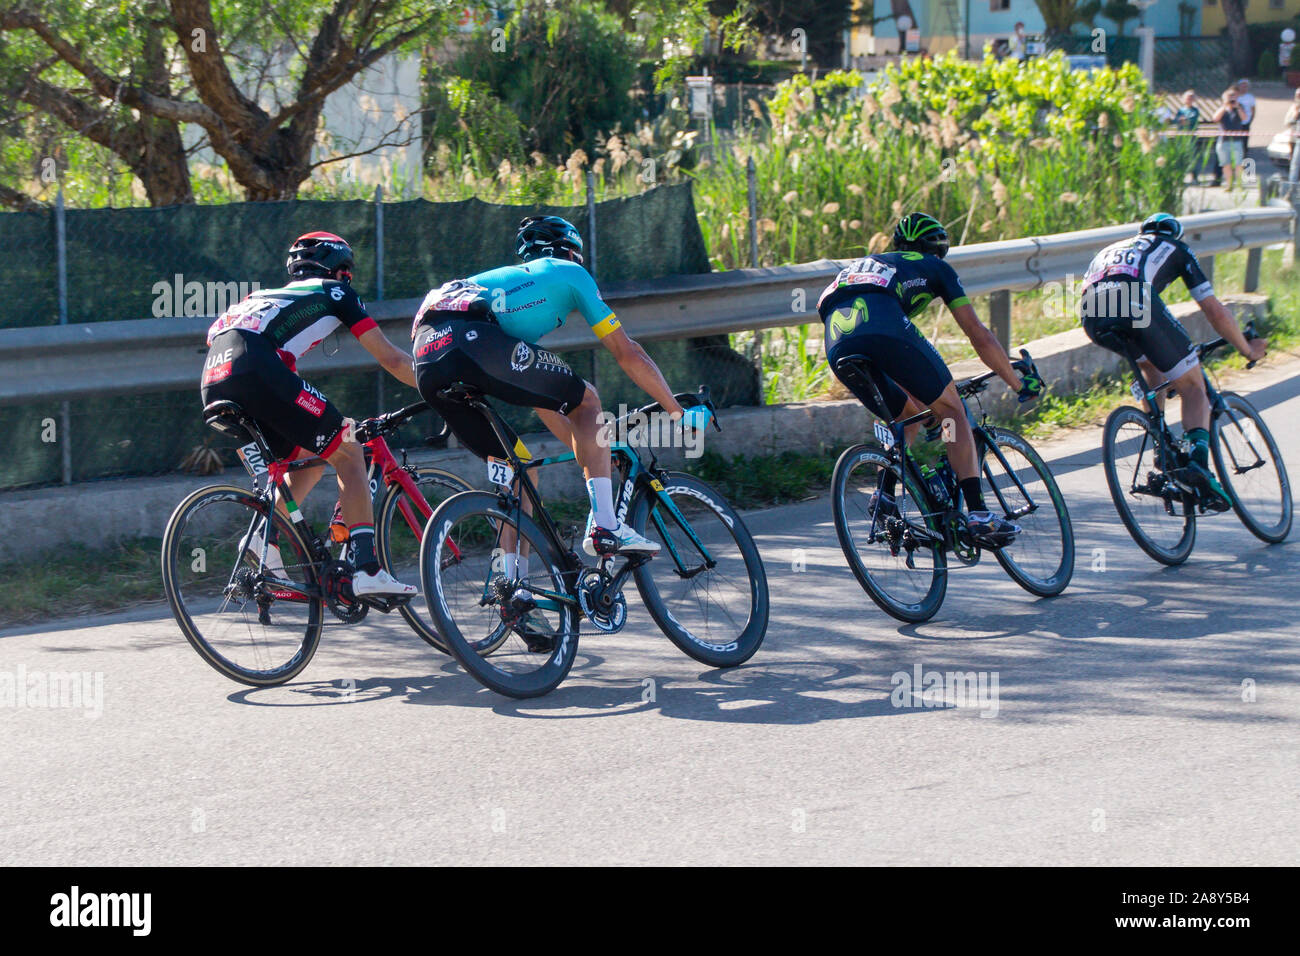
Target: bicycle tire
x: 552, y: 671
x: 388, y: 512
x: 1278, y: 531
x: 910, y: 612
x: 716, y: 653
x: 1059, y: 580
x: 1181, y: 549
x: 172, y: 586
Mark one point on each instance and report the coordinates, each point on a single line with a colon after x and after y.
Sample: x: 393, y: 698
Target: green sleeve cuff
x: 960, y: 300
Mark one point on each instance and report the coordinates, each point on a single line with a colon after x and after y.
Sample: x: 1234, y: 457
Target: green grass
x: 80, y: 580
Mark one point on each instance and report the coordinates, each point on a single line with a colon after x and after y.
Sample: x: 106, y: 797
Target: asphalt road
x: 1121, y: 733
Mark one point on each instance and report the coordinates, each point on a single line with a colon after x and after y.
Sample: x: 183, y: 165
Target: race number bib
x: 459, y: 295
x: 252, y: 313
x: 868, y: 272
x: 499, y: 472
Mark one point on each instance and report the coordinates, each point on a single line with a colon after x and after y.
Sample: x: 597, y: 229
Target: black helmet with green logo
x: 921, y: 232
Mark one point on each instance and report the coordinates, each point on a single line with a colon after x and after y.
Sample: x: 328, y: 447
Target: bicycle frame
x: 633, y: 474
x: 1166, y: 446
x: 897, y: 452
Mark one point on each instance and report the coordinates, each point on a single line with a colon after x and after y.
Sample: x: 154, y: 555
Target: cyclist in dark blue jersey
x: 1121, y: 310
x: 253, y: 352
x: 868, y: 310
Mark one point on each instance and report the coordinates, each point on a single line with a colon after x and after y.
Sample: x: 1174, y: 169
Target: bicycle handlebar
x: 684, y: 399
x: 973, y: 386
x: 369, y: 429
x: 1204, y: 349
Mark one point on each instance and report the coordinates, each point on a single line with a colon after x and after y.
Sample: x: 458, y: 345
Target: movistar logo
x: 842, y: 323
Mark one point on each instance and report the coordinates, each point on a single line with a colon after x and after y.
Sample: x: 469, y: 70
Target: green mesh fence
x: 138, y: 263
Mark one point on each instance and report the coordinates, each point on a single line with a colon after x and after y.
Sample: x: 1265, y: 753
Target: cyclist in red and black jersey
x: 253, y: 351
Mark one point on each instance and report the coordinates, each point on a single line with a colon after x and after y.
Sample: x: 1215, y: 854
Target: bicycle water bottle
x: 934, y: 481
x: 948, y: 479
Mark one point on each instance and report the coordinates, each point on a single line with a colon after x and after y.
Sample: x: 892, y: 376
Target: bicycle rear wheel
x: 1041, y: 558
x: 718, y: 614
x: 1159, y: 516
x: 255, y: 625
x: 471, y: 599
x: 399, y: 526
x: 1251, y: 469
x: 879, y: 545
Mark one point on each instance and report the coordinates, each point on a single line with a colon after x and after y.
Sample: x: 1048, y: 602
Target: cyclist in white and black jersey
x: 253, y: 351
x: 1121, y: 311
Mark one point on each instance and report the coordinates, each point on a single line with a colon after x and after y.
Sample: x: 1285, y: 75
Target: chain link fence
x: 196, y: 260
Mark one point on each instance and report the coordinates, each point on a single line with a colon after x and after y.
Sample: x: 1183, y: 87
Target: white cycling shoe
x: 380, y: 584
x: 252, y: 544
x: 599, y: 542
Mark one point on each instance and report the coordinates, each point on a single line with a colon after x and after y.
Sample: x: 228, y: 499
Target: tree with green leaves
x: 252, y: 75
x: 1119, y: 12
x: 1060, y: 16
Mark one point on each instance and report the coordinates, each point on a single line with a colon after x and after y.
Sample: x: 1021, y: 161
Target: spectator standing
x: 1293, y: 121
x: 1187, y: 119
x: 1017, y: 46
x: 1247, y: 101
x: 1230, y: 147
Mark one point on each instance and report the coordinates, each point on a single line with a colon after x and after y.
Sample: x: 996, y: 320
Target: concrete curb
x: 100, y: 513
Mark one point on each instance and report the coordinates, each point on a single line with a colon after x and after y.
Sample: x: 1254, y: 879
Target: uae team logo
x: 522, y: 358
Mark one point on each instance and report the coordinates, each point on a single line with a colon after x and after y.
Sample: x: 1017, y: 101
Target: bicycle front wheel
x: 706, y: 588
x: 398, y: 529
x: 257, y: 624
x: 1251, y: 469
x: 1156, y: 513
x: 895, y: 553
x: 472, y: 577
x: 1041, y: 558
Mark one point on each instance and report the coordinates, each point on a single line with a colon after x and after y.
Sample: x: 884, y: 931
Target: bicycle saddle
x: 229, y: 418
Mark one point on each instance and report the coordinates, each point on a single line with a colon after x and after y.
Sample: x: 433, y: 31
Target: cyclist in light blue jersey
x: 484, y: 331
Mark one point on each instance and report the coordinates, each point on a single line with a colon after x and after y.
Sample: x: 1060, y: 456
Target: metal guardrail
x: 103, y: 359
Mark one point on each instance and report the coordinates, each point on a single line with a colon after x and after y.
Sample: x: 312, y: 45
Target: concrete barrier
x: 99, y: 513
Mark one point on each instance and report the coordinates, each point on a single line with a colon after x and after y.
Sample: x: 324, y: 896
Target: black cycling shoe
x: 1210, y: 493
x: 990, y: 530
x: 518, y: 612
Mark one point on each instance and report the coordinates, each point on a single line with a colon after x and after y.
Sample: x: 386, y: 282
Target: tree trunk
x: 1234, y: 12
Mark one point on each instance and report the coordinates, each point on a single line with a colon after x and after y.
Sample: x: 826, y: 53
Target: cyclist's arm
x: 641, y: 368
x: 1223, y: 322
x: 396, y: 362
x: 987, y: 346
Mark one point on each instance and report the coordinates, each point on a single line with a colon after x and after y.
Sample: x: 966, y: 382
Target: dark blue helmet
x: 541, y: 236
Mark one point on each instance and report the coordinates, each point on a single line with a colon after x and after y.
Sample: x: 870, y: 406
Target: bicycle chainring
x: 964, y: 548
x: 336, y: 582
x: 608, y: 612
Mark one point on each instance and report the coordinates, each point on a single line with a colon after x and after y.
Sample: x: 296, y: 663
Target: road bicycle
x: 261, y: 624
x: 899, y: 554
x: 507, y: 590
x: 1147, y: 468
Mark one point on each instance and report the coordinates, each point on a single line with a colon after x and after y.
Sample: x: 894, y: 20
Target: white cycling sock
x: 601, y: 493
x: 514, y: 566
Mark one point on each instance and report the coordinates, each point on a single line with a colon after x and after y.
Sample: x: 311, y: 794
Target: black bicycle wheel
x: 256, y: 624
x: 1159, y: 516
x: 1041, y: 558
x: 399, y: 526
x: 879, y: 546
x: 716, y: 614
x: 470, y: 596
x: 1251, y: 469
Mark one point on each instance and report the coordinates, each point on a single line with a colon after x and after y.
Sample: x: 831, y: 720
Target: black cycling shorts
x: 244, y: 367
x: 1157, y: 336
x: 449, y: 348
x: 902, y: 355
